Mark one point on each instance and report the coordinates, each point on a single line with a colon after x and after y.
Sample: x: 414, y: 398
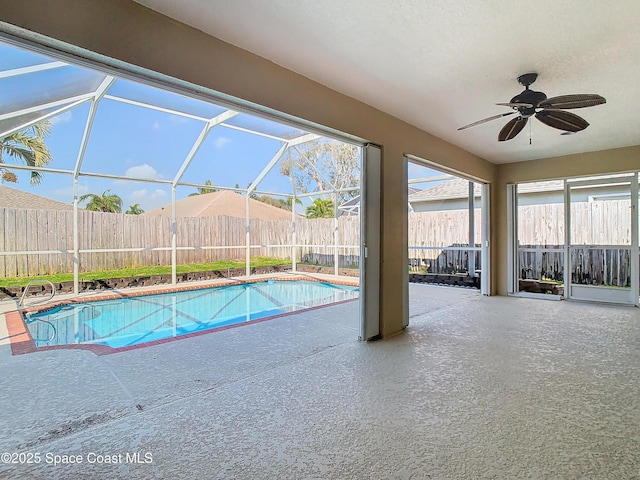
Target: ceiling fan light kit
x: 550, y: 111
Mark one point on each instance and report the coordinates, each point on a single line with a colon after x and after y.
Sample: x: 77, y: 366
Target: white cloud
x: 221, y: 142
x: 145, y: 194
x: 158, y: 195
x: 66, y: 194
x: 156, y: 125
x: 143, y: 171
x: 147, y: 199
x: 62, y: 118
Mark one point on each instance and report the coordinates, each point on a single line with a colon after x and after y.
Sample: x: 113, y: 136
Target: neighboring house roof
x: 459, y: 188
x: 536, y: 187
x: 352, y: 207
x: 449, y: 190
x: 14, y: 198
x: 222, y: 202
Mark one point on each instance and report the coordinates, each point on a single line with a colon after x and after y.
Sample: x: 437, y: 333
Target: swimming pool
x: 135, y: 320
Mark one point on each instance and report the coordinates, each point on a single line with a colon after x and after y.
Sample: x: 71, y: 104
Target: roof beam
x: 155, y: 107
x: 97, y: 96
x: 309, y: 137
x: 267, y: 169
x: 44, y: 117
x: 224, y: 116
x: 44, y: 106
x: 321, y: 193
x: 31, y: 69
x: 430, y: 179
x: 253, y: 132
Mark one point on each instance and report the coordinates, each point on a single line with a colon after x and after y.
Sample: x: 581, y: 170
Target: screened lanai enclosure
x: 137, y: 174
x: 448, y: 227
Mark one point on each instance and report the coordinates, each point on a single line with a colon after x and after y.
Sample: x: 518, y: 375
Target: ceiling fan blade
x: 512, y: 128
x: 573, y: 101
x: 516, y: 105
x: 484, y: 120
x: 566, y: 121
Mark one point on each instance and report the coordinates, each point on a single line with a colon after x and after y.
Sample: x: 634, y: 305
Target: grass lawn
x: 146, y: 271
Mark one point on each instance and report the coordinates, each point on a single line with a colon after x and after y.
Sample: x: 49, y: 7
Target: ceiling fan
x: 549, y: 111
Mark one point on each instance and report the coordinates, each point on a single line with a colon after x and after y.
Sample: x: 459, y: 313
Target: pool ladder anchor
x: 39, y: 301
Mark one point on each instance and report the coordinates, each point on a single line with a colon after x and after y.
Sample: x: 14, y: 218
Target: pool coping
x: 22, y: 342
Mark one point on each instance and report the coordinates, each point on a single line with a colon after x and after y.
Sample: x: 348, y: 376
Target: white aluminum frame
x: 370, y: 175
x: 512, y: 239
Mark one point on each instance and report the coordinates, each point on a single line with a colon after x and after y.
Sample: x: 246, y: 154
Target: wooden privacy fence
x: 454, y: 259
x: 205, y: 239
x: 537, y: 262
x: 541, y: 239
x: 148, y: 240
x: 439, y: 241
x: 51, y: 231
x: 590, y: 266
x: 602, y: 222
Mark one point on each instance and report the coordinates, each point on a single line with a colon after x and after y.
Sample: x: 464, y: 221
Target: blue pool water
x: 133, y: 320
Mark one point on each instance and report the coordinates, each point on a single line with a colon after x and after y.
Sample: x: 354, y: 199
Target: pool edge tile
x: 19, y: 335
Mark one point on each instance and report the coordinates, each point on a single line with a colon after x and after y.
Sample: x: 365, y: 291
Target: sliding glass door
x: 601, y: 252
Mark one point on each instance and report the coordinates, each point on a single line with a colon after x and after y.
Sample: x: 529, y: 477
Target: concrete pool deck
x: 477, y: 387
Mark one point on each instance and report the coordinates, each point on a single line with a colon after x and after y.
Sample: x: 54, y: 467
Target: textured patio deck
x: 478, y: 387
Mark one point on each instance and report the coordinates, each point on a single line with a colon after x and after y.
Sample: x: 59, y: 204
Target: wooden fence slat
x: 21, y: 236
x: 10, y: 243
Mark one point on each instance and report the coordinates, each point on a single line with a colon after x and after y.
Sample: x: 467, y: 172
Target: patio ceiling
x: 440, y: 65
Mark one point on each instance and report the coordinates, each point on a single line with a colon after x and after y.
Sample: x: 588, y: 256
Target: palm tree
x: 134, y: 209
x: 204, y: 190
x: 26, y: 146
x: 107, y: 202
x: 289, y: 203
x: 321, y: 208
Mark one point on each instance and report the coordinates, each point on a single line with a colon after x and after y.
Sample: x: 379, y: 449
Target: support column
x: 174, y: 238
x: 471, y: 265
x: 568, y: 240
x: 76, y: 239
x: 336, y: 253
x: 394, y: 262
x: 247, y: 261
x: 635, y: 248
x: 513, y: 275
x: 294, y: 237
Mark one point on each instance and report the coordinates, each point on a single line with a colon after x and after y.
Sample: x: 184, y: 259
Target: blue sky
x: 130, y: 140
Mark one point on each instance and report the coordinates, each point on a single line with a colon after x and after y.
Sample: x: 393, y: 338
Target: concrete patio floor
x: 477, y: 387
